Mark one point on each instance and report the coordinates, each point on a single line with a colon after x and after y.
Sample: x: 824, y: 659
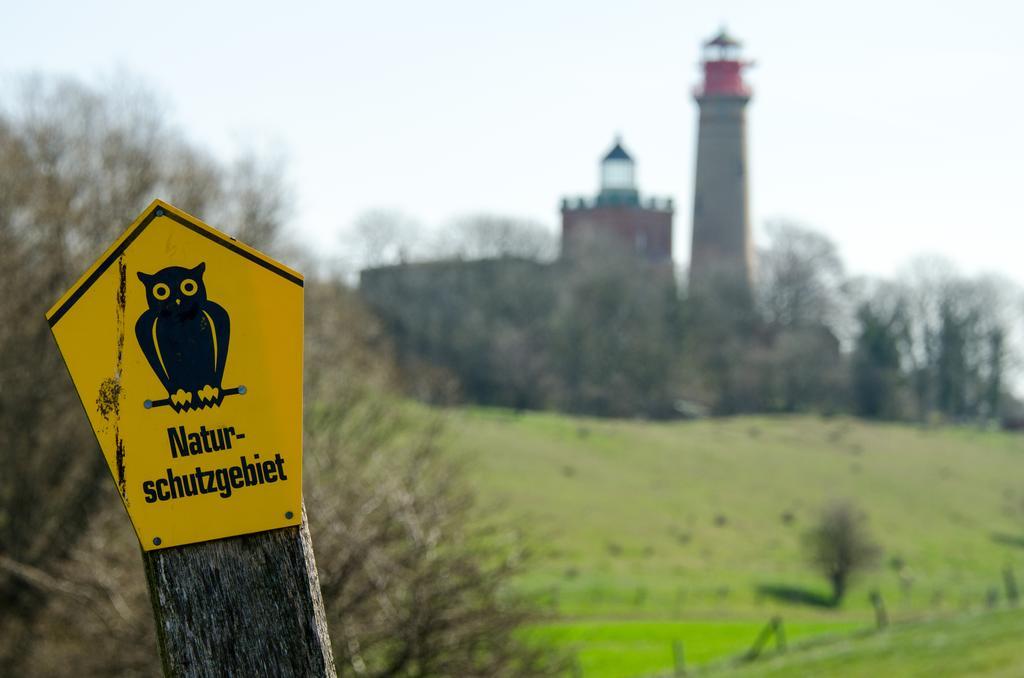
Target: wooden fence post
x: 774, y: 627
x: 881, y: 616
x: 991, y: 597
x: 577, y: 668
x: 242, y: 606
x: 1010, y: 584
x: 780, y: 634
x: 762, y: 638
x: 678, y: 659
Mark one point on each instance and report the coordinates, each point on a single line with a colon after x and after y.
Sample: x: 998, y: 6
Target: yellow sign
x: 185, y: 347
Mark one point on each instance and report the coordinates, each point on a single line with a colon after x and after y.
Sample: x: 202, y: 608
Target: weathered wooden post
x: 762, y: 639
x: 577, y: 667
x: 678, y: 659
x: 247, y: 606
x: 775, y: 628
x: 881, y: 616
x: 1010, y: 584
x: 185, y: 347
x: 991, y: 597
x: 780, y: 634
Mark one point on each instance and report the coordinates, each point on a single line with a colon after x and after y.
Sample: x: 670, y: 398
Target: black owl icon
x: 185, y: 338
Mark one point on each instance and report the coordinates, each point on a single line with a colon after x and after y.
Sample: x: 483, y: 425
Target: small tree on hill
x: 840, y: 545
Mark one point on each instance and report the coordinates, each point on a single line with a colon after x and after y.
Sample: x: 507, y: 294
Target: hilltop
x: 655, y: 526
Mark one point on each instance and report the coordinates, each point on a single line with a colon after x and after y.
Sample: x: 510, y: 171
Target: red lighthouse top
x: 723, y: 68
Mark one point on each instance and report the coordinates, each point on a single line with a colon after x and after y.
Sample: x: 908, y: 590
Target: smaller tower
x: 722, y: 253
x: 618, y: 215
x: 618, y: 176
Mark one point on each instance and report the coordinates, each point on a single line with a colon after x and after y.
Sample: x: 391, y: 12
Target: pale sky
x: 893, y: 127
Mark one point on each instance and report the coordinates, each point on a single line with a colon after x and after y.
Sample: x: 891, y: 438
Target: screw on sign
x: 185, y: 347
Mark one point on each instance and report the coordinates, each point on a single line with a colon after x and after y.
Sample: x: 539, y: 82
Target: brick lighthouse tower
x: 721, y: 254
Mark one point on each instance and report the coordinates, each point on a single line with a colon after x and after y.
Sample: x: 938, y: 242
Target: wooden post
x: 678, y: 659
x: 577, y: 668
x: 881, y: 616
x: 780, y: 634
x: 242, y: 606
x: 1010, y: 584
x: 762, y: 638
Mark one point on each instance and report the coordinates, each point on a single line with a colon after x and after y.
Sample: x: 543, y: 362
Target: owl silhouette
x: 184, y: 336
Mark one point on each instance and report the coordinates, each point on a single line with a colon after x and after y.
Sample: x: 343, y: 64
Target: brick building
x: 618, y: 214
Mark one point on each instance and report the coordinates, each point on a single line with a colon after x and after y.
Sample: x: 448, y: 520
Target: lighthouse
x: 721, y: 253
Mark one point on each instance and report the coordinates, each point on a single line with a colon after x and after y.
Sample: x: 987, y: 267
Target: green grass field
x: 981, y: 645
x: 606, y: 647
x: 644, y: 533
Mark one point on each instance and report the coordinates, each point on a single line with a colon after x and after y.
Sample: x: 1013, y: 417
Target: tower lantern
x: 618, y: 172
x: 721, y: 252
x: 723, y: 68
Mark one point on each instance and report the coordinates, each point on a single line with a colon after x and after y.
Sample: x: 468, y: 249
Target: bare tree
x: 410, y: 589
x: 382, y: 238
x: 840, y: 546
x: 800, y: 278
x: 253, y: 203
x: 960, y: 342
x: 487, y: 236
x: 75, y: 168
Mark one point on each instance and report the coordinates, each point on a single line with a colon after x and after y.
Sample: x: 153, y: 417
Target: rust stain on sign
x: 119, y: 451
x: 108, y: 403
x: 122, y: 301
x: 108, y: 400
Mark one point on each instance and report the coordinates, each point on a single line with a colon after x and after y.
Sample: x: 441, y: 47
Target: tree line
x: 609, y: 335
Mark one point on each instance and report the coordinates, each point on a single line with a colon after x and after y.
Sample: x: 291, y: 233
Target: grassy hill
x: 648, y: 532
